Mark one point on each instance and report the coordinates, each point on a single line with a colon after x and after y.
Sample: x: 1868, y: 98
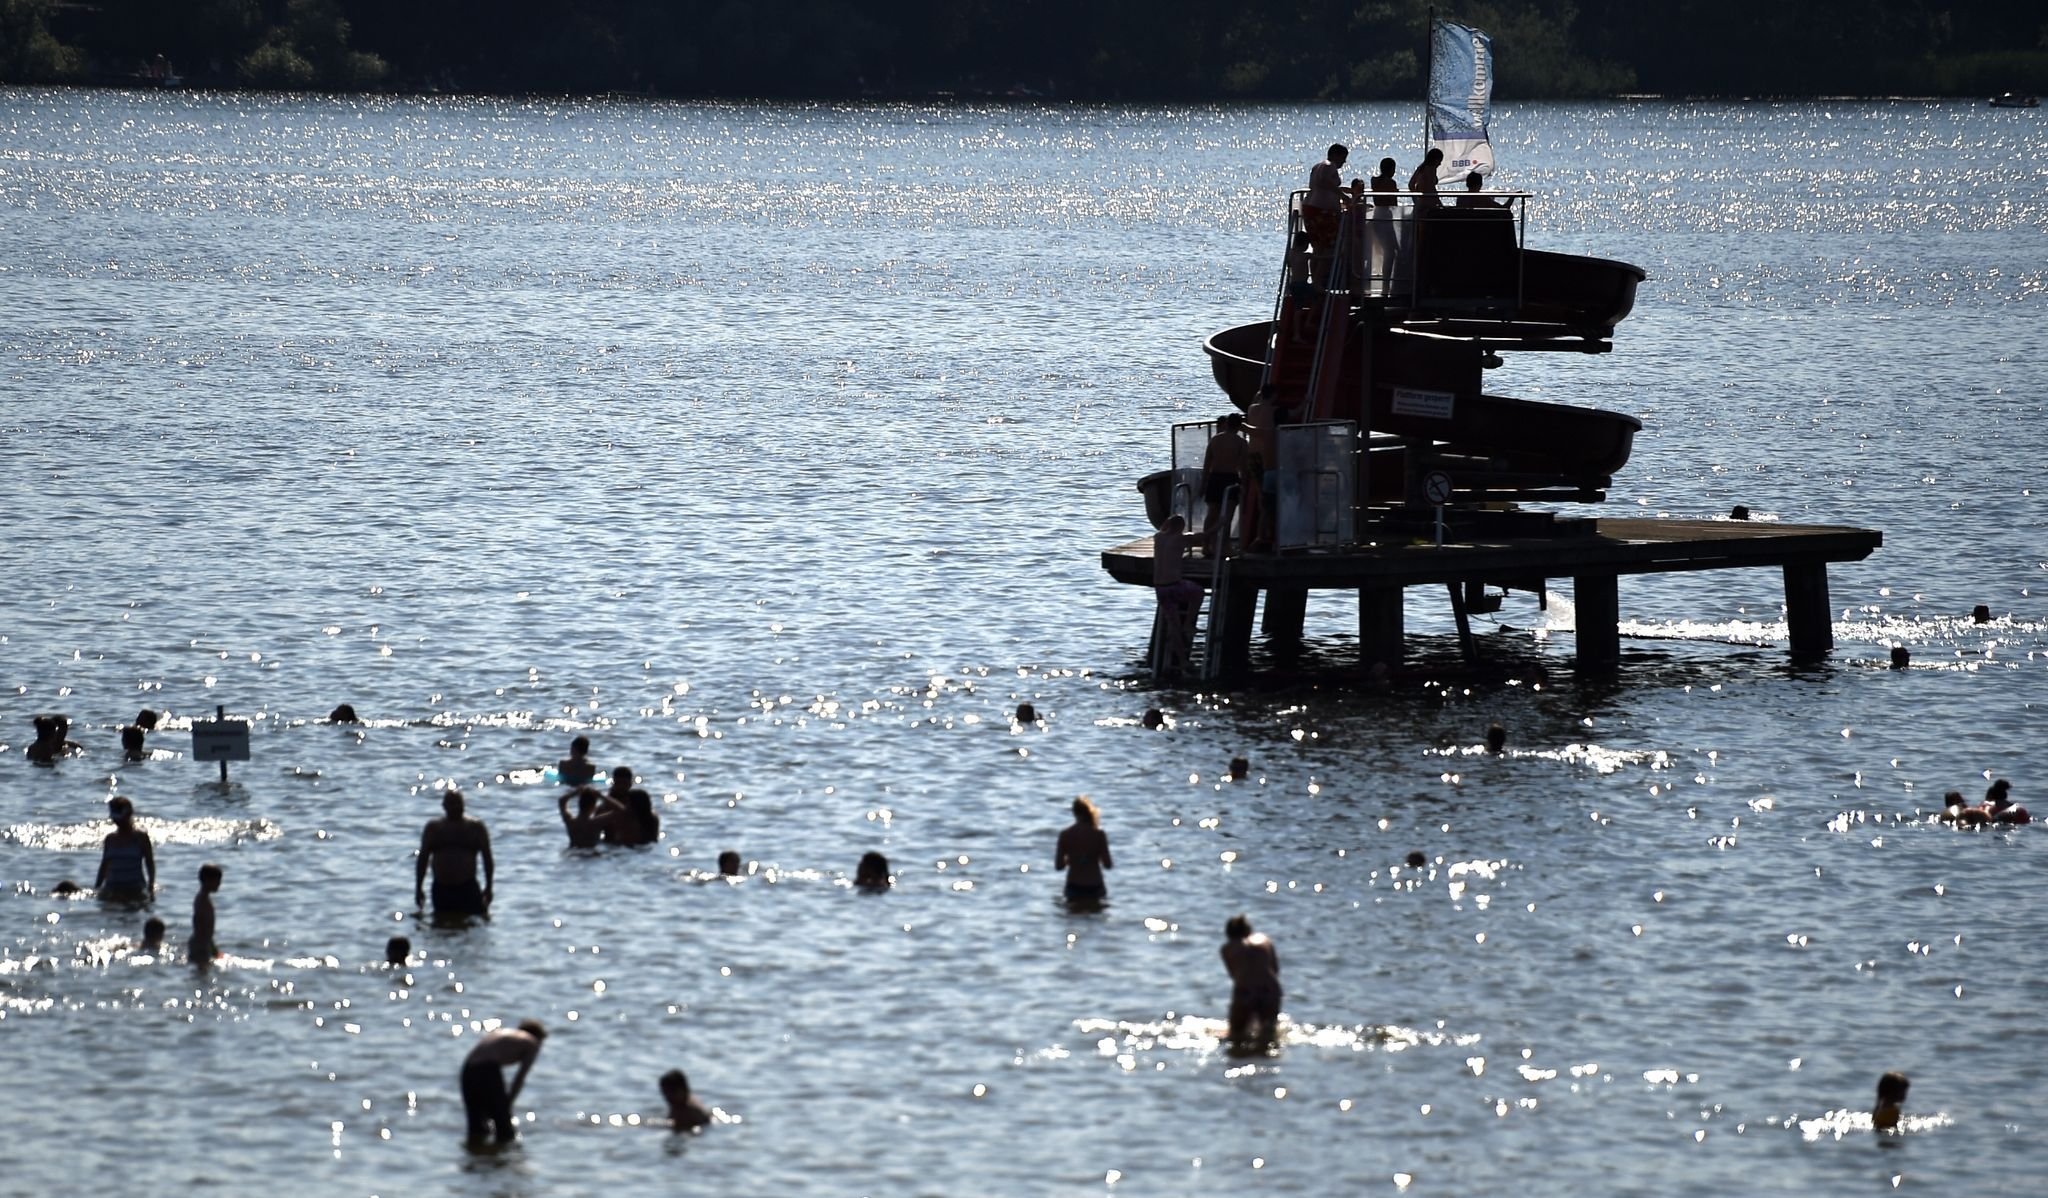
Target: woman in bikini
x: 1083, y: 851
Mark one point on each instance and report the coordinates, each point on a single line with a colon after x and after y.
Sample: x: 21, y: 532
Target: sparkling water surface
x: 774, y: 448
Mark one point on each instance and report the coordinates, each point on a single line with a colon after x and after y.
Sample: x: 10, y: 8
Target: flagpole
x: 1429, y: 78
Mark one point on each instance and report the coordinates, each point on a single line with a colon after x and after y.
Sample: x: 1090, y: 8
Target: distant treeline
x: 1077, y: 49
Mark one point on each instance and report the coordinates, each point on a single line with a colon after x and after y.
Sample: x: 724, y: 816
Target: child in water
x: 202, y: 947
x: 685, y: 1113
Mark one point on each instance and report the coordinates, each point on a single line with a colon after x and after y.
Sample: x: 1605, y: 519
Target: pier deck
x: 1592, y: 560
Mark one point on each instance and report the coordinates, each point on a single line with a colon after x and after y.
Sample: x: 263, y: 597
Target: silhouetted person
x: 1322, y: 210
x: 486, y: 1100
x: 873, y: 872
x: 685, y: 1113
x: 1083, y: 851
x: 1891, y: 1091
x: 53, y: 740
x: 584, y: 828
x: 1026, y: 713
x: 1240, y: 769
x: 1900, y: 657
x: 1496, y: 737
x: 127, y: 858
x: 344, y: 714
x: 1153, y: 718
x: 132, y: 744
x: 1999, y: 807
x: 451, y: 847
x: 201, y: 948
x: 1738, y: 512
x: 1981, y: 614
x: 1254, y: 967
x: 146, y: 720
x: 1423, y: 181
x: 729, y: 864
x: 152, y: 937
x: 1416, y: 860
x: 397, y: 951
x: 576, y: 769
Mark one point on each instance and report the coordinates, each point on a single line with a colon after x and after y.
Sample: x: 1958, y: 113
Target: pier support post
x: 1286, y: 611
x: 1379, y: 625
x: 1598, y: 599
x: 1238, y: 611
x: 1807, y: 614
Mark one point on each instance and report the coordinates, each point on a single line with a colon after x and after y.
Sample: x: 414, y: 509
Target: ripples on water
x: 773, y: 447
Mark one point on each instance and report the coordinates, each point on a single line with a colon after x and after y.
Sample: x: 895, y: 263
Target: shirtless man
x: 450, y: 846
x: 1322, y: 209
x: 485, y: 1098
x: 1224, y: 465
x: 583, y: 827
x: 1254, y: 966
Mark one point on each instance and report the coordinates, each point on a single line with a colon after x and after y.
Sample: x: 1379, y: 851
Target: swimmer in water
x: 1026, y: 713
x: 397, y: 951
x: 1998, y: 807
x: 127, y: 858
x: 152, y: 937
x: 201, y: 948
x: 584, y: 827
x: 576, y: 769
x: 132, y: 738
x: 52, y: 740
x: 633, y: 824
x: 729, y: 864
x: 1254, y: 967
x: 873, y: 872
x: 1240, y: 769
x: 486, y: 1100
x: 685, y: 1113
x: 1083, y: 851
x: 1891, y: 1091
x: 344, y: 714
x: 146, y: 720
x: 1496, y: 738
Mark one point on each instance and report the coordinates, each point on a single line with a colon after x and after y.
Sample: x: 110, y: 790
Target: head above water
x: 146, y: 720
x: 132, y: 739
x: 1892, y: 1087
x: 344, y: 714
x: 675, y: 1087
x: 396, y: 950
x: 153, y: 932
x: 1026, y: 713
x: 873, y: 870
x: 729, y: 863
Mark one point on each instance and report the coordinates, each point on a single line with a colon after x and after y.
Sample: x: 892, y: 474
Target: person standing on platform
x: 1224, y: 464
x: 1322, y: 211
x: 1423, y: 181
x: 451, y: 847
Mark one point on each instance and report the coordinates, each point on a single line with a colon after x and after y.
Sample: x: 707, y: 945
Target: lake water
x: 774, y: 448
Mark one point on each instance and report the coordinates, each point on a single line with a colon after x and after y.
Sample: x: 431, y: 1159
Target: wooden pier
x: 1593, y: 558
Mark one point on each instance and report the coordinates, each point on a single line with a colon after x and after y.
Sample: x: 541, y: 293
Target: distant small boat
x: 2014, y: 100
